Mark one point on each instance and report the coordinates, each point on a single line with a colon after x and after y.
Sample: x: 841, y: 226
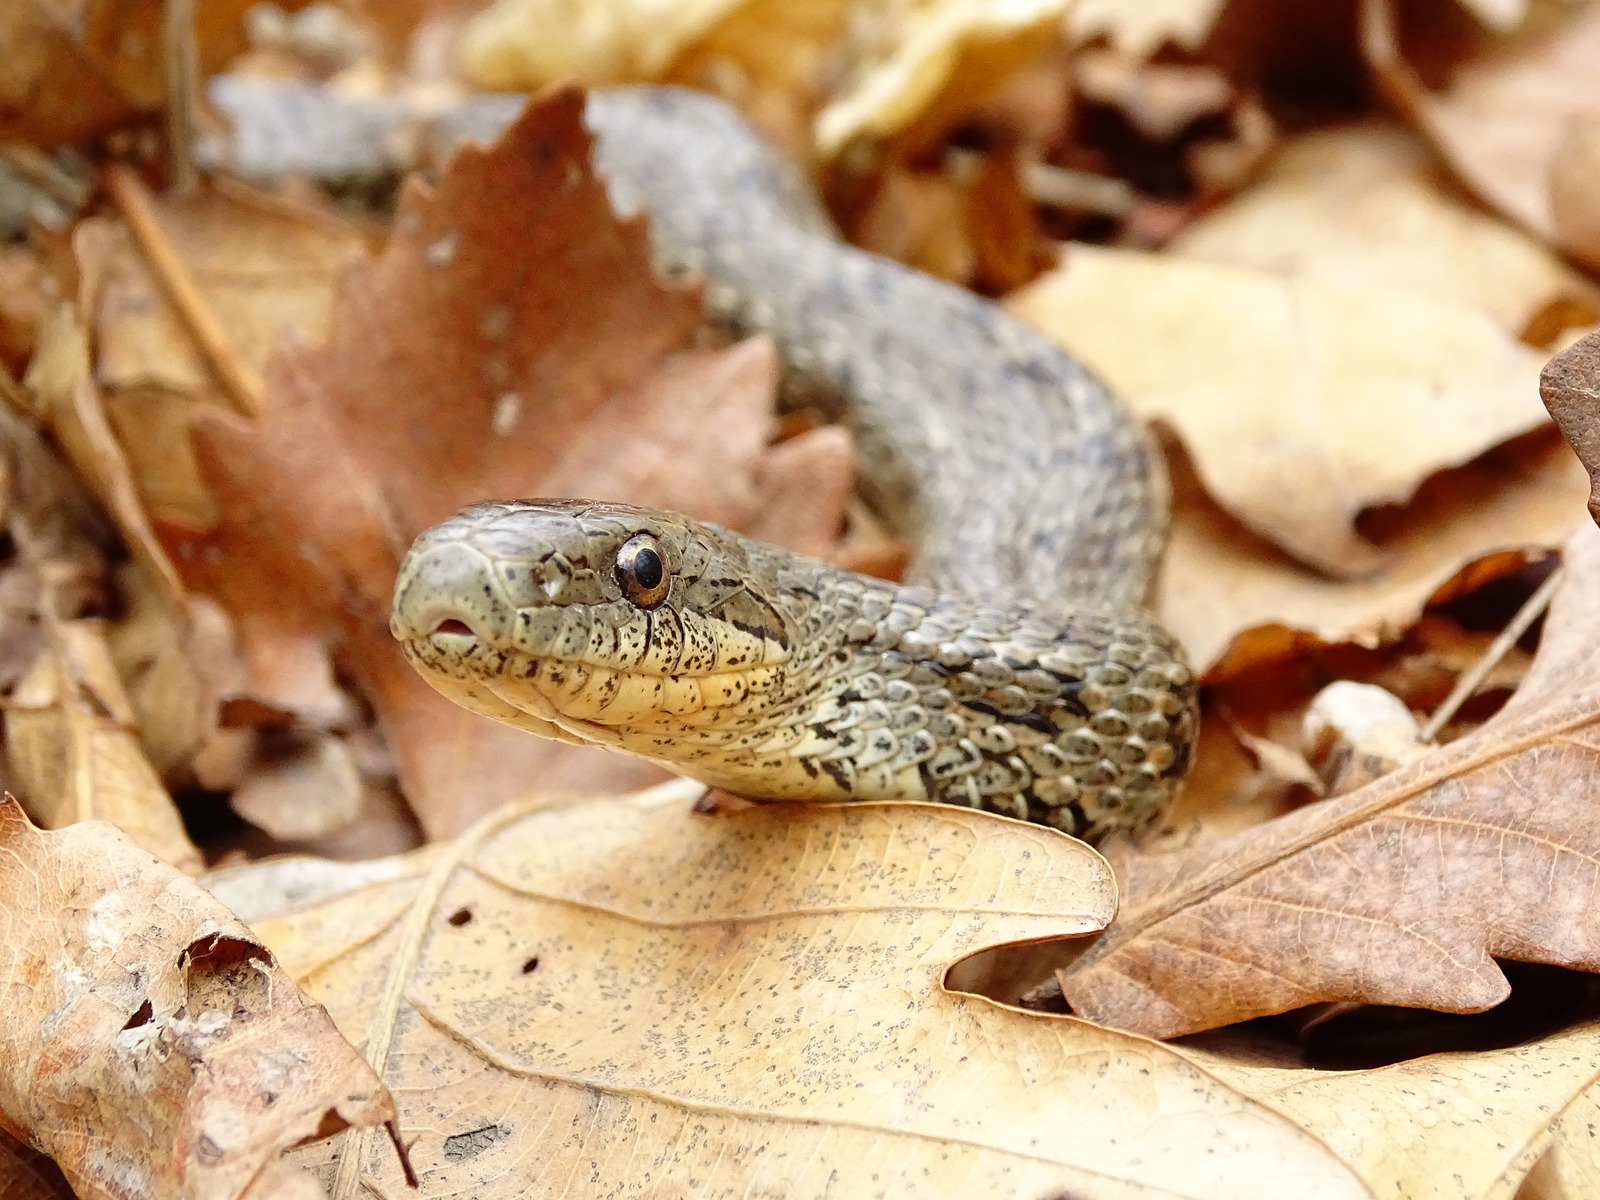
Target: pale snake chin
x: 1017, y: 670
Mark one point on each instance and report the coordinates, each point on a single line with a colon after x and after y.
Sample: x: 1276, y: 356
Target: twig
x: 35, y: 166
x: 180, y: 67
x: 241, y: 383
x: 1468, y: 683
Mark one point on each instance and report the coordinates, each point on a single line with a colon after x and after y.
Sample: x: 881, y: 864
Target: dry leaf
x: 865, y: 71
x: 149, y: 1043
x: 25, y: 1174
x: 1357, y: 732
x: 303, y: 786
x: 61, y: 385
x: 1570, y: 388
x: 469, y: 362
x: 1236, y: 602
x: 1459, y: 1126
x: 1399, y: 893
x: 179, y: 669
x: 1361, y: 206
x: 1138, y: 28
x: 1509, y: 118
x: 938, y: 59
x: 27, y: 293
x: 624, y: 993
x: 70, y: 736
x: 1279, y: 387
x: 73, y: 68
x: 65, y: 538
x: 264, y: 268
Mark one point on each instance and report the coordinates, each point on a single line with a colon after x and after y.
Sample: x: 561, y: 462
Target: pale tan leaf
x: 1363, y: 206
x: 61, y: 384
x: 1139, y: 28
x: 1402, y: 892
x: 1506, y: 118
x: 1278, y: 387
x: 942, y: 54
x: 623, y: 991
x: 1237, y: 602
x: 1458, y: 1126
x: 149, y: 1043
x: 69, y: 734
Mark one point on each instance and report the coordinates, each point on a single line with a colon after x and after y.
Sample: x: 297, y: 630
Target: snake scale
x: 1016, y: 671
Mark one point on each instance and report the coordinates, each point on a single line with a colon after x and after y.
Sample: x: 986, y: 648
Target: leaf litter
x: 269, y: 394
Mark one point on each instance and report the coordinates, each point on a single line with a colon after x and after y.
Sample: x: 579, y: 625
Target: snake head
x: 582, y: 620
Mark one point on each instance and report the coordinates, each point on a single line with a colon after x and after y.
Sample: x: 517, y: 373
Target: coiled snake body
x: 1017, y: 671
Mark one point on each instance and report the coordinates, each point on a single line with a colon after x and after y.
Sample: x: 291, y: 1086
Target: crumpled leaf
x: 1516, y: 125
x: 1141, y: 27
x: 264, y: 267
x: 70, y: 735
x: 73, y: 68
x: 1570, y: 388
x: 510, y: 341
x: 1456, y: 1126
x: 1401, y: 892
x: 853, y: 71
x: 1361, y: 205
x: 622, y: 991
x: 1278, y: 387
x: 149, y: 1043
x: 1237, y: 602
x: 1138, y: 28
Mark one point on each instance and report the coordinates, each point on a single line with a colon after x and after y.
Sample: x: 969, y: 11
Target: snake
x: 1017, y: 668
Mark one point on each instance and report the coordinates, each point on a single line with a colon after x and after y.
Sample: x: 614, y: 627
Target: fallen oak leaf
x: 715, y: 990
x: 1451, y: 1126
x: 1402, y: 892
x: 462, y: 364
x: 149, y: 1043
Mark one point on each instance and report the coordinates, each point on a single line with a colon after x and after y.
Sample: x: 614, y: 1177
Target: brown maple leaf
x: 511, y: 340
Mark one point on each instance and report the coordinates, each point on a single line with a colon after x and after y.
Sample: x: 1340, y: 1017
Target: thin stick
x: 180, y: 66
x: 1498, y: 649
x: 237, y: 378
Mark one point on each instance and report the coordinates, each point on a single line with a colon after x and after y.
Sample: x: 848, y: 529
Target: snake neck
x: 1010, y: 467
x: 1082, y: 722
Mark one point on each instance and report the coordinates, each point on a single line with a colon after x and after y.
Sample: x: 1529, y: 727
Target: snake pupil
x: 647, y: 568
x: 641, y: 571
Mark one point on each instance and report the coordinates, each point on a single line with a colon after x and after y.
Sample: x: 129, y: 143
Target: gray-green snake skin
x: 1017, y: 671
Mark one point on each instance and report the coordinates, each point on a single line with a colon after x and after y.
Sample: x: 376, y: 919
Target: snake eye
x: 642, y: 571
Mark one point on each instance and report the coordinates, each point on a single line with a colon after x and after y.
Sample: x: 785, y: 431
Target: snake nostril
x: 451, y: 625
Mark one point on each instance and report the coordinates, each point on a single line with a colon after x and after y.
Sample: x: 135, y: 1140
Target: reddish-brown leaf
x: 1402, y: 892
x: 510, y: 341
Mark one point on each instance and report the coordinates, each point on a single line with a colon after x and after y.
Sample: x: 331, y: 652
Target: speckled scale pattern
x: 1019, y: 673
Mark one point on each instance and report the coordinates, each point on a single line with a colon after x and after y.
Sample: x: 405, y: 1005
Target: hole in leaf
x: 143, y: 1015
